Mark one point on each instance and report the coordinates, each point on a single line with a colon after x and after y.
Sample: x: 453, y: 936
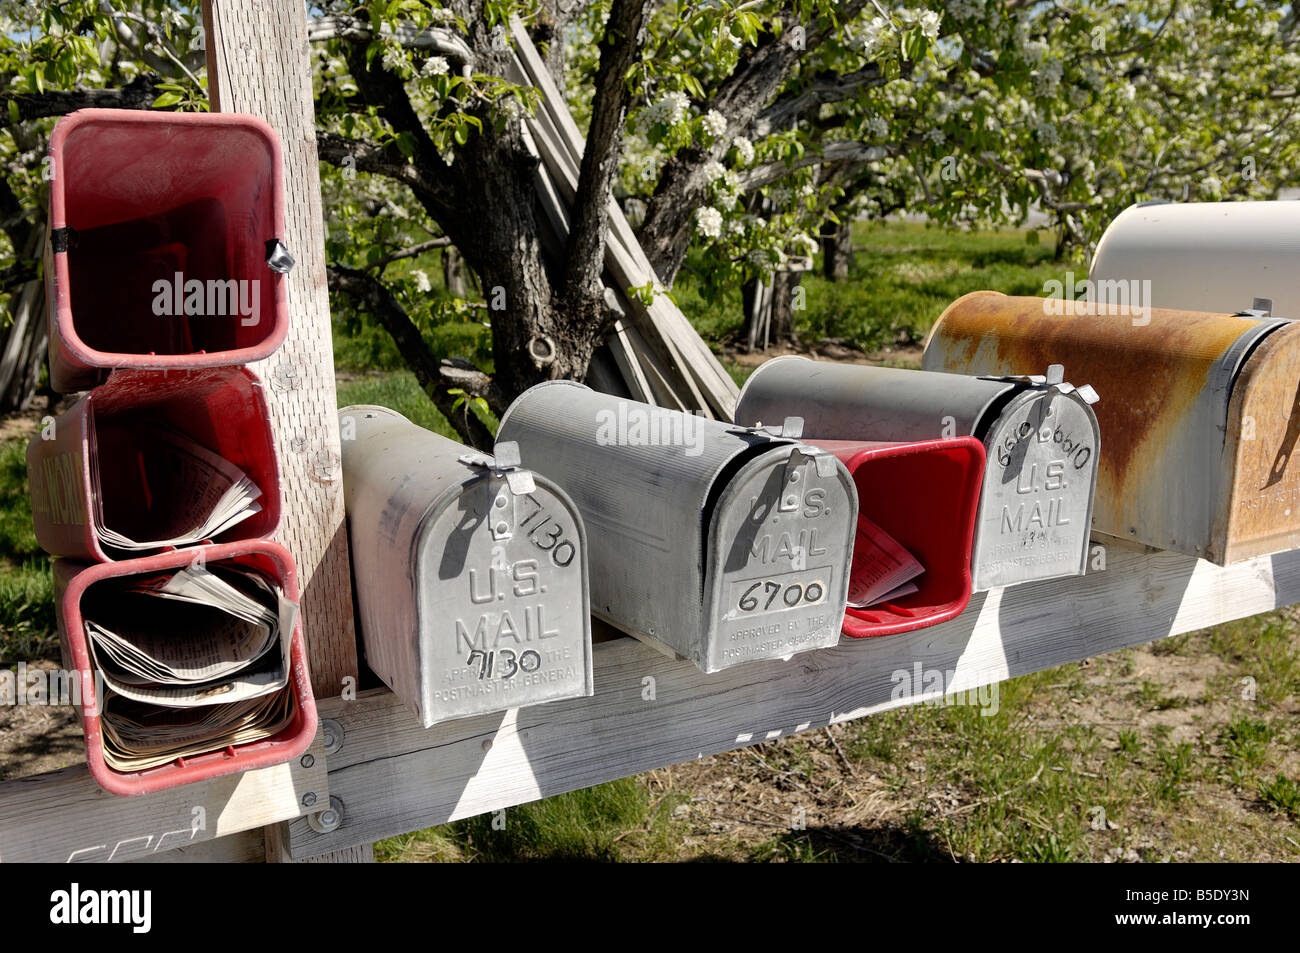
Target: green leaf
x: 167, y: 99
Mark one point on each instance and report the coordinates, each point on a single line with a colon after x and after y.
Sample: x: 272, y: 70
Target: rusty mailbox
x: 471, y: 572
x: 1202, y: 256
x: 1200, y: 412
x: 1039, y: 434
x: 721, y: 544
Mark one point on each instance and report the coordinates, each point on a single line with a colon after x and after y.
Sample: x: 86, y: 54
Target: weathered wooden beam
x: 65, y: 816
x: 650, y: 711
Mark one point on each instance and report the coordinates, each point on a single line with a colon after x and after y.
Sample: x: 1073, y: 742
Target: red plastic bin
x: 925, y: 494
x: 72, y: 580
x: 139, y: 198
x: 223, y: 408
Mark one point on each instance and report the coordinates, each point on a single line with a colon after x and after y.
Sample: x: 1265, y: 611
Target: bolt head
x: 307, y: 760
x: 309, y: 799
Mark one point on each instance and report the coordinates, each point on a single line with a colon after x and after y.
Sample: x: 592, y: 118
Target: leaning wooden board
x: 258, y: 63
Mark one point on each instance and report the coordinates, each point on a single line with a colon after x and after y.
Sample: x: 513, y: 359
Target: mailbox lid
x: 1040, y: 472
x: 1261, y: 512
x: 1202, y: 256
x: 643, y: 498
x: 862, y: 402
x: 780, y: 542
x: 1165, y: 379
x: 504, y: 617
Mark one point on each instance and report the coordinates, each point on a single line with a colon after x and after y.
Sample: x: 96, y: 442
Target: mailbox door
x: 504, y: 617
x: 1165, y: 380
x: 1261, y: 511
x: 780, y: 543
x: 1035, y: 512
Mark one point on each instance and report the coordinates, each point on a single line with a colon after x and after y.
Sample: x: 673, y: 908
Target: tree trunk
x: 837, y: 250
x: 453, y: 272
x: 754, y: 305
x: 23, y: 341
x: 785, y: 286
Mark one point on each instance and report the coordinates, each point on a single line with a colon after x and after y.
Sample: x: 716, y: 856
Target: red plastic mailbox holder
x: 139, y: 197
x: 925, y: 494
x: 222, y: 408
x: 71, y: 580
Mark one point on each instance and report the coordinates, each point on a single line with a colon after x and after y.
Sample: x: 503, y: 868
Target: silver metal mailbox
x: 720, y: 544
x: 1039, y: 434
x: 471, y: 573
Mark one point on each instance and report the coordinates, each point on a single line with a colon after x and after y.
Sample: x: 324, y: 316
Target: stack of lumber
x: 653, y: 354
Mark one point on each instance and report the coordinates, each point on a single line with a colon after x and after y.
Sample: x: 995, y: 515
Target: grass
x: 27, y: 625
x: 903, y: 277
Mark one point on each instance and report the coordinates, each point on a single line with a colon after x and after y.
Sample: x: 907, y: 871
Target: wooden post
x: 259, y: 63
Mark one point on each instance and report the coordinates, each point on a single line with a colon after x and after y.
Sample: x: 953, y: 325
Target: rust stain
x: 1149, y: 376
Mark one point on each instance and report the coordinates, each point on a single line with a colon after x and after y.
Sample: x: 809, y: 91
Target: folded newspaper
x: 192, y: 637
x: 187, y: 492
x: 138, y: 736
x: 882, y: 569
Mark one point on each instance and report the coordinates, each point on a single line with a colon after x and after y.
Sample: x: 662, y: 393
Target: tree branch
x: 137, y: 94
x: 619, y: 49
x: 834, y: 152
x: 381, y: 303
x: 413, y: 252
x: 359, y: 32
x: 824, y: 88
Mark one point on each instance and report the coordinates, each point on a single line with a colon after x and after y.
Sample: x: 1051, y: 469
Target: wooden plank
x: 395, y: 777
x: 65, y: 816
x: 246, y: 847
x: 258, y: 63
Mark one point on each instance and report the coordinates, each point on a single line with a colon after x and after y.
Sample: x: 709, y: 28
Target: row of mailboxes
x: 1200, y: 412
x: 164, y: 274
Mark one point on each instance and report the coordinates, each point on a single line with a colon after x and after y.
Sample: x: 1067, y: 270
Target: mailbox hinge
x: 278, y: 258
x: 1054, y: 380
x: 62, y: 238
x: 504, y: 463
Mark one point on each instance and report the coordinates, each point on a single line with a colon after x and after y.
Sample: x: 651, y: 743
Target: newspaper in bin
x: 187, y: 493
x: 881, y: 567
x: 192, y: 637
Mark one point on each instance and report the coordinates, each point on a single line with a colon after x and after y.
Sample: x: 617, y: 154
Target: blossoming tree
x: 741, y: 127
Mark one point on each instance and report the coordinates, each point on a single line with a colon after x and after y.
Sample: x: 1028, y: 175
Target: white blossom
x: 877, y: 126
x: 422, y: 283
x: 441, y: 16
x: 935, y: 136
x: 708, y: 222
x: 744, y: 149
x: 713, y: 171
x: 1047, y: 133
x: 806, y: 242
x: 714, y: 123
x: 436, y: 66
x: 670, y: 110
x: 1211, y: 185
x: 394, y: 59
x: 1047, y: 77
